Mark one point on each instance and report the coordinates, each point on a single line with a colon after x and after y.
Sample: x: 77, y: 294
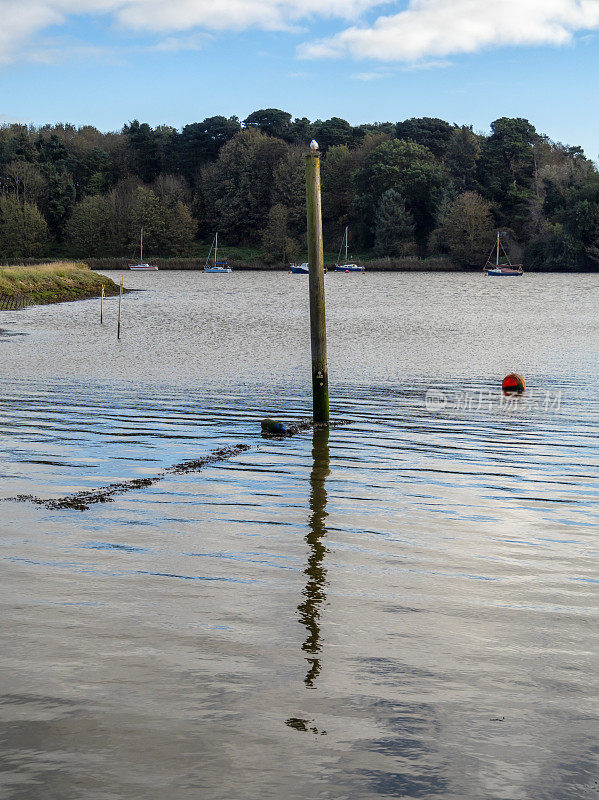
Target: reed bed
x: 54, y: 282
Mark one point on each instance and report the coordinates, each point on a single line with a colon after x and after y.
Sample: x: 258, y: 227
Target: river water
x: 405, y: 606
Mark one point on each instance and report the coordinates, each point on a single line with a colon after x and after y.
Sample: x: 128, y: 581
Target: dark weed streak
x: 81, y: 501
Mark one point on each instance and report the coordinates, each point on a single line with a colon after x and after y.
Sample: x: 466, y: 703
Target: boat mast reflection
x: 314, y: 594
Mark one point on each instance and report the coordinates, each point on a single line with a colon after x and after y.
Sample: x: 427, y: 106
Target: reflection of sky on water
x: 441, y: 566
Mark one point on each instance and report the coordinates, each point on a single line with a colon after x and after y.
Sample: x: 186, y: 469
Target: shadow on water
x: 314, y: 593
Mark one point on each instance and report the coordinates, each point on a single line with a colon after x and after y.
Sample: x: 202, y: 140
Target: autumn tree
x: 23, y: 230
x: 87, y: 229
x: 277, y: 245
x: 25, y: 181
x: 467, y: 229
x: 169, y: 228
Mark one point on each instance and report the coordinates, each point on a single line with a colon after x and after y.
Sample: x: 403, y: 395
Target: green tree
x: 201, y: 142
x: 289, y: 189
x: 427, y: 131
x: 333, y: 131
x: 277, y: 245
x: 180, y: 230
x: 394, y: 226
x: 411, y: 170
x: 60, y: 199
x: 301, y: 131
x: 23, y: 230
x: 238, y: 189
x: 338, y: 166
x: 144, y: 144
x: 169, y: 228
x: 271, y: 121
x: 86, y: 231
x: 461, y: 158
x: 506, y: 171
x: 467, y: 229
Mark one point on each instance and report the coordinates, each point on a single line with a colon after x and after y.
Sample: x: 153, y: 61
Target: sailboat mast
x: 497, y: 248
x: 215, y: 247
x: 141, y: 246
x: 346, y: 229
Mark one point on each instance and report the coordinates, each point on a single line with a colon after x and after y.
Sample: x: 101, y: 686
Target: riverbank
x: 56, y: 282
x: 255, y: 264
x: 248, y: 262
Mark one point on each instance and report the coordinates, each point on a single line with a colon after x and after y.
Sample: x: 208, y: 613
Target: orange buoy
x: 513, y: 384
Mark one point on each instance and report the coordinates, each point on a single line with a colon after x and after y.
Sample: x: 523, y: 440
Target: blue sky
x: 105, y: 62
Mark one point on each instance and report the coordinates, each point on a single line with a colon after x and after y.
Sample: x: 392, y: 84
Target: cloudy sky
x: 105, y: 62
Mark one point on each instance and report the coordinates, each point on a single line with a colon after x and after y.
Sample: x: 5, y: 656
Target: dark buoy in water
x: 273, y: 426
x: 513, y: 384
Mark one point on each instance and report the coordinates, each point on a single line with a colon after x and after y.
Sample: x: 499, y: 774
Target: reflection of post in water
x: 314, y: 592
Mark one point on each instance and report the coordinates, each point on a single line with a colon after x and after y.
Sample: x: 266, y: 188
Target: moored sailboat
x: 348, y: 266
x: 501, y: 270
x: 141, y: 266
x: 218, y: 267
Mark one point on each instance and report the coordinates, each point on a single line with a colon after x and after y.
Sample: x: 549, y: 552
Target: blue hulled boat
x: 218, y: 267
x: 349, y: 266
x: 498, y: 270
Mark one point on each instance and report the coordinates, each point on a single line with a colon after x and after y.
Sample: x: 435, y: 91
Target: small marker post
x: 118, y: 327
x: 102, y: 304
x: 318, y: 333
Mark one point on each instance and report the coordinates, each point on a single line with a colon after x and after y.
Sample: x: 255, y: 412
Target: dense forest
x: 422, y: 187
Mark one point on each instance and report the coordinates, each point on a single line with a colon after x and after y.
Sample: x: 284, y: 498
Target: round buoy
x: 513, y: 384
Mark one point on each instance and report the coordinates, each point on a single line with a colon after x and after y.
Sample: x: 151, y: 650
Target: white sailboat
x: 348, y: 266
x: 219, y: 267
x: 141, y: 266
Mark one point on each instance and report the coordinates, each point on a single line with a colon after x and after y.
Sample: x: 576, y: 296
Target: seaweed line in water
x: 81, y: 501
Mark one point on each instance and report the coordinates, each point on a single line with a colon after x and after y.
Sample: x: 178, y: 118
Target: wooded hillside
x: 418, y: 187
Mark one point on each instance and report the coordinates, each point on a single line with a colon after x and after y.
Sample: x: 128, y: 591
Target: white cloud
x: 437, y: 28
x: 20, y: 20
x: 426, y: 30
x: 433, y: 64
x: 176, y: 44
x: 368, y: 76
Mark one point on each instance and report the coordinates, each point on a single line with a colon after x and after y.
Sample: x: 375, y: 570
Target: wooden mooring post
x: 320, y: 375
x: 102, y: 305
x: 118, y: 326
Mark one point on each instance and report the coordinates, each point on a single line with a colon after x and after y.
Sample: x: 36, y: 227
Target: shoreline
x: 434, y: 264
x: 23, y: 285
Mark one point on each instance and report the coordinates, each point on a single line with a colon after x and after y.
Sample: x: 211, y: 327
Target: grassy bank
x: 52, y: 283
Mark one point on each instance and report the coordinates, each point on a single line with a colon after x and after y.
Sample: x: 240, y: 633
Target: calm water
x: 403, y: 607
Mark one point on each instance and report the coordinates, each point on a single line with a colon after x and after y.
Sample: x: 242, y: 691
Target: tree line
x: 421, y: 187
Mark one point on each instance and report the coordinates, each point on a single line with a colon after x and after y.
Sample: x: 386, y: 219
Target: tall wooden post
x: 118, y: 326
x: 320, y: 375
x: 102, y: 305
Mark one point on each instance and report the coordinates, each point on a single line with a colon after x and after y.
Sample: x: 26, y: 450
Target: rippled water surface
x: 405, y: 606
